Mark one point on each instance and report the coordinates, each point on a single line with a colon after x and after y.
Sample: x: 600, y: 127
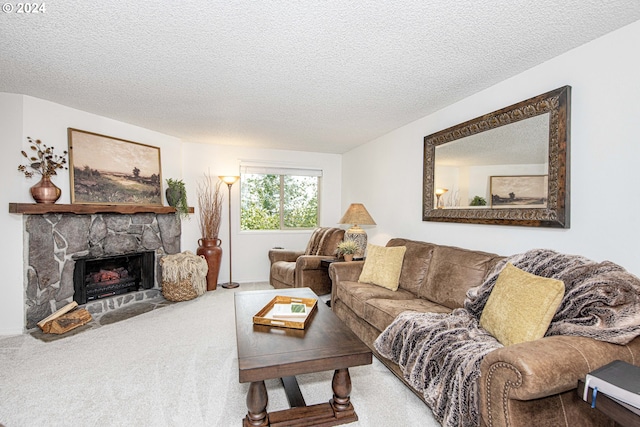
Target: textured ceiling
x: 309, y: 75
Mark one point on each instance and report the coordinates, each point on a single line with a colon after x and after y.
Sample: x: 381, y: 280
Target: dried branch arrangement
x: 45, y: 162
x: 210, y: 207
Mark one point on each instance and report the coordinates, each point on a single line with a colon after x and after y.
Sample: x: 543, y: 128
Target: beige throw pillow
x: 383, y: 266
x: 521, y: 306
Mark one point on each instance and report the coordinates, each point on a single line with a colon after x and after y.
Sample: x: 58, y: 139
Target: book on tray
x: 618, y: 379
x: 293, y: 310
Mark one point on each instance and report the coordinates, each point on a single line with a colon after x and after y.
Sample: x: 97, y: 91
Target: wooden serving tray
x: 263, y: 317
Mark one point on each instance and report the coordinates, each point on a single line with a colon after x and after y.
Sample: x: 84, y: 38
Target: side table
x: 325, y: 263
x: 611, y: 408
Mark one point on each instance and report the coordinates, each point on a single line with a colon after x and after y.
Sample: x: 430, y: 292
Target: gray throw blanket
x: 440, y: 354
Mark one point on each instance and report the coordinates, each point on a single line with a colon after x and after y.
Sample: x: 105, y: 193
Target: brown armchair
x: 299, y: 269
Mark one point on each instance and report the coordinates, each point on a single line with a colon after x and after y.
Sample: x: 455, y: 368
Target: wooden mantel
x: 41, y: 208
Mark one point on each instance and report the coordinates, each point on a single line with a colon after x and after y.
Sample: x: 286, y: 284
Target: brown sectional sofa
x: 526, y: 384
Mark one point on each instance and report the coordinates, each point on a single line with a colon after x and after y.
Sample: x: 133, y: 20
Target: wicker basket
x: 183, y: 276
x: 179, y: 291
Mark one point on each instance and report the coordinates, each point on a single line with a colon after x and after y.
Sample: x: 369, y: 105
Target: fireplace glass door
x: 104, y: 277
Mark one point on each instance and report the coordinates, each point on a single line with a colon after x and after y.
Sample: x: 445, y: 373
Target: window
x: 279, y: 198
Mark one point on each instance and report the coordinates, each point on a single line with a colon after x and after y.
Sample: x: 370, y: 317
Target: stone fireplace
x: 55, y: 243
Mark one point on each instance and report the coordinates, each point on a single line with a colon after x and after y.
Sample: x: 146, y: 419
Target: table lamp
x: 357, y: 215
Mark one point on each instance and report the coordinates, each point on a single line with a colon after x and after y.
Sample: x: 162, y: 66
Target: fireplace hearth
x: 102, y: 277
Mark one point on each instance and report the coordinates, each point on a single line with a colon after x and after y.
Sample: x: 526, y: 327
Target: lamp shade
x: 357, y: 214
x: 229, y: 180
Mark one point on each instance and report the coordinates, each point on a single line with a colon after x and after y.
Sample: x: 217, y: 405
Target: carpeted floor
x: 173, y: 366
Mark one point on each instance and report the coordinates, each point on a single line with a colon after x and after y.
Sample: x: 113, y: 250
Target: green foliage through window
x: 278, y: 201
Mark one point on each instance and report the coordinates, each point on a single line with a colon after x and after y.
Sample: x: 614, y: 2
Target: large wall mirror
x: 508, y: 167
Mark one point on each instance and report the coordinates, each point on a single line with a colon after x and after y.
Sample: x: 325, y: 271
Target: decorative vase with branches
x: 210, y: 200
x: 46, y: 163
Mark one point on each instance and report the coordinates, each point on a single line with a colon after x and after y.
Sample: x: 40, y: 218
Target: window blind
x: 270, y: 170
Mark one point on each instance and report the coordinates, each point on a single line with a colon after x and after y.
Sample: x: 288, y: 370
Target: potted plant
x: 347, y: 248
x: 177, y: 197
x: 478, y: 201
x: 43, y: 162
x: 210, y: 200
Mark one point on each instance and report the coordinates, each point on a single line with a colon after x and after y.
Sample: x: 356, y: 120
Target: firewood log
x: 67, y: 308
x: 67, y: 322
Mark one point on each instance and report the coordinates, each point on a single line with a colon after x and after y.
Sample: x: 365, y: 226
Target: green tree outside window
x: 278, y: 202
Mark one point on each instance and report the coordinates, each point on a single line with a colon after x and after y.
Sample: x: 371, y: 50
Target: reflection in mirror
x: 506, y: 167
x: 465, y: 166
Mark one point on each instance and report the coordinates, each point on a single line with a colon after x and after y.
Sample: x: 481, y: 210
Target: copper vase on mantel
x: 45, y: 191
x: 212, y: 252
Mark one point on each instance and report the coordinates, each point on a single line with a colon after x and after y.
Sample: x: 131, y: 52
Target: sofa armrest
x: 543, y: 367
x: 276, y: 255
x: 310, y: 262
x: 343, y: 272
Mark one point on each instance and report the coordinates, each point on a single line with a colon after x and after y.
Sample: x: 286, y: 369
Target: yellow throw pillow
x: 383, y: 265
x: 521, y: 306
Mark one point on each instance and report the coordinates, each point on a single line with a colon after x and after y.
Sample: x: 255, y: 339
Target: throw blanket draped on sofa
x: 440, y: 354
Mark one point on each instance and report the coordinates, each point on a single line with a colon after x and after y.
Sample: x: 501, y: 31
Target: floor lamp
x: 439, y: 193
x: 229, y: 180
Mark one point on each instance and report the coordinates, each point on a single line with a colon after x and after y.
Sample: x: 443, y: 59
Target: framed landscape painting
x: 109, y: 170
x: 520, y: 191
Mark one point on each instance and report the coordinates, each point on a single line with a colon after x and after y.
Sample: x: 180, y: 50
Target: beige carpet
x: 174, y: 366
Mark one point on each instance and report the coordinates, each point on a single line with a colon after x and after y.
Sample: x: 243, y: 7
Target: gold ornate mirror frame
x: 555, y: 210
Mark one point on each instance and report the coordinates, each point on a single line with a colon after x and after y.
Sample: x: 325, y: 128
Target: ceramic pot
x: 45, y: 191
x: 348, y: 257
x: 173, y: 196
x: 212, y: 252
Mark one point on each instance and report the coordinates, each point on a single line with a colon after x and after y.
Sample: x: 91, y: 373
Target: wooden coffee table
x: 266, y: 352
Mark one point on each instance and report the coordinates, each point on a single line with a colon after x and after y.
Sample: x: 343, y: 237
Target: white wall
x: 12, y: 288
x: 386, y: 174
x: 250, y: 261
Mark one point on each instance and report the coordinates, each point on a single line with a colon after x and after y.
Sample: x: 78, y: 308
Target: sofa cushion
x: 329, y: 243
x: 283, y: 271
x: 521, y: 306
x: 355, y: 295
x: 416, y: 263
x: 324, y: 241
x: 380, y: 312
x: 314, y: 241
x: 452, y: 272
x: 383, y: 266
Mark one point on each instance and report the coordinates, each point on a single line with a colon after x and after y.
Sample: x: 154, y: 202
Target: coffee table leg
x: 257, y: 400
x: 341, y: 389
